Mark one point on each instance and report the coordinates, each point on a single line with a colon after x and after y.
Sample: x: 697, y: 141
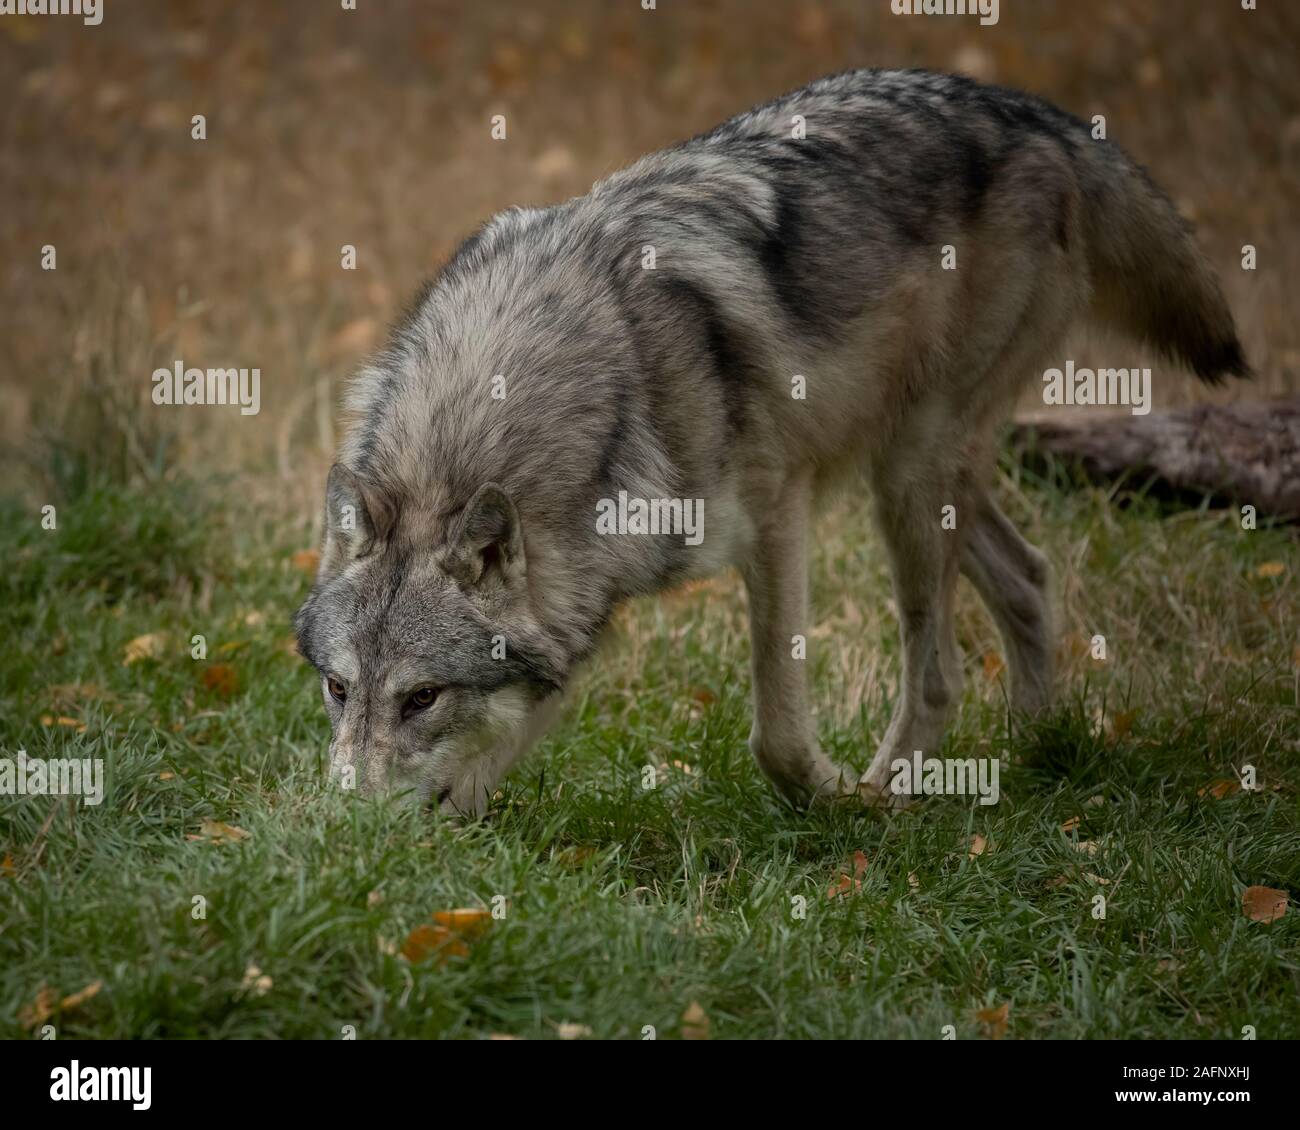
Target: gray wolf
x: 742, y: 319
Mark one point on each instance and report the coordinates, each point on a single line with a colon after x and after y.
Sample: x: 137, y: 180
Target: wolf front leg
x: 783, y: 738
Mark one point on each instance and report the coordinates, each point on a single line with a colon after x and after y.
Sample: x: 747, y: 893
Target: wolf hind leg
x: 923, y: 540
x: 1011, y: 577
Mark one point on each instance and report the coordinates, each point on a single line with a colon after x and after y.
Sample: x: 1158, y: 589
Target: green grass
x: 624, y: 905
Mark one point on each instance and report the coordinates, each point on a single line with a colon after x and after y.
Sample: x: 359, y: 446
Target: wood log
x: 1248, y: 452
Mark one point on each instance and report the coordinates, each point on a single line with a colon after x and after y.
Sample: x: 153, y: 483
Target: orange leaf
x: 306, y: 560
x: 221, y: 679
x: 1122, y: 722
x: 7, y: 868
x: 994, y: 1020
x: 76, y: 1000
x: 468, y: 923
x: 978, y: 845
x: 1270, y: 569
x: 1220, y: 788
x: 429, y: 941
x: 40, y: 1010
x: 1263, y: 904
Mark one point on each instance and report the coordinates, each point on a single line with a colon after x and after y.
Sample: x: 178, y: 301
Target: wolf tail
x: 1149, y: 278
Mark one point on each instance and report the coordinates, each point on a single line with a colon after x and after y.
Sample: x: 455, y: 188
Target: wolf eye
x: 338, y: 692
x: 423, y: 698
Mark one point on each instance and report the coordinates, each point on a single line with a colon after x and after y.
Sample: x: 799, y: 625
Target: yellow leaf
x: 219, y: 833
x: 1270, y: 569
x: 1263, y: 904
x: 152, y: 645
x: 695, y: 1022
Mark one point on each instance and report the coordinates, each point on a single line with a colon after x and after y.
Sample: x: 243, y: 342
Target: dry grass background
x: 328, y: 127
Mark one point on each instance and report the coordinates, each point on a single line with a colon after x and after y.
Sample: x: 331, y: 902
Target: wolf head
x: 434, y: 670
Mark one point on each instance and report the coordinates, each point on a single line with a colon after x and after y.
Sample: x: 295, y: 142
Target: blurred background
x: 371, y: 127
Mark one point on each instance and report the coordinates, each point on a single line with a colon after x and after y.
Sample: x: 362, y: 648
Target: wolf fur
x: 554, y: 363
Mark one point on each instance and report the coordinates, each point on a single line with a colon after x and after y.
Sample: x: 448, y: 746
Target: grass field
x: 676, y: 907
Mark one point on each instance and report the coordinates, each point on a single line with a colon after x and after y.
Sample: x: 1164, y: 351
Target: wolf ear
x: 357, y: 516
x: 487, y: 542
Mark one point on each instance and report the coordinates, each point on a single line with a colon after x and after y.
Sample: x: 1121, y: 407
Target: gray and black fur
x: 775, y: 257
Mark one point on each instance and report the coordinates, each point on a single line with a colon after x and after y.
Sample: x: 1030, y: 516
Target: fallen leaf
x: 1122, y: 722
x: 149, y: 646
x: 1270, y: 569
x: 1263, y: 904
x: 1071, y: 824
x: 695, y: 1022
x: 978, y: 845
x: 469, y: 923
x: 40, y: 1010
x: 704, y: 696
x: 1088, y: 847
x: 913, y: 881
x: 306, y: 560
x: 217, y: 832
x: 7, y: 868
x: 1220, y: 788
x: 572, y: 1031
x: 63, y: 720
x: 993, y: 665
x: 221, y: 679
x: 76, y: 1000
x: 845, y: 883
x: 166, y: 775
x: 374, y: 898
x: 994, y: 1020
x: 427, y: 941
x: 255, y: 982
x: 1096, y: 879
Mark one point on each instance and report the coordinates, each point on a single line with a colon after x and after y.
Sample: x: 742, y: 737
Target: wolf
x: 743, y: 319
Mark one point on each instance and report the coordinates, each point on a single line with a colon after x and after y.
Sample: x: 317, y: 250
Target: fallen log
x: 1248, y: 452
